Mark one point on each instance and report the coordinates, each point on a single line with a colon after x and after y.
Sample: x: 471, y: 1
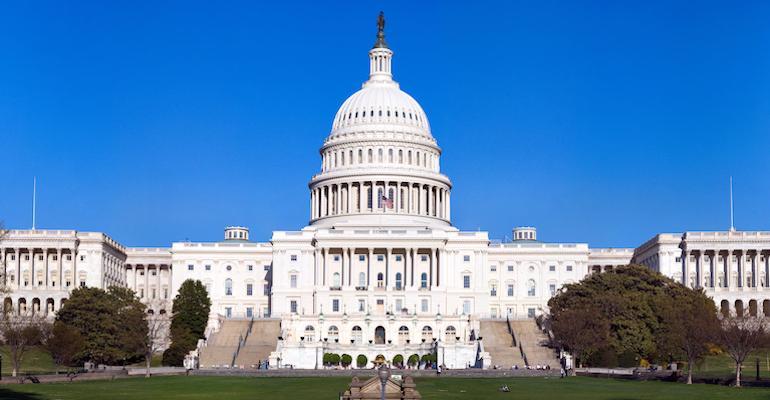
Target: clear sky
x: 599, y: 122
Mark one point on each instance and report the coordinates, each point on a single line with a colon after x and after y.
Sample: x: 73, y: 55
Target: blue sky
x: 598, y: 122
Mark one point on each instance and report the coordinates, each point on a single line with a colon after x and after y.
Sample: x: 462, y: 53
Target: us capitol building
x: 379, y: 270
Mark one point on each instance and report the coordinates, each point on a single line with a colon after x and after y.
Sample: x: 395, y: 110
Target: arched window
x: 390, y: 155
x: 409, y: 157
x: 450, y: 335
x: 369, y: 197
x: 360, y: 156
x: 427, y: 333
x: 357, y: 335
x: 400, y: 156
x: 403, y: 335
x: 380, y: 282
x: 424, y: 280
x: 361, y: 279
x: 379, y: 198
x: 379, y: 155
x: 379, y: 335
x: 228, y: 287
x: 334, y: 333
x: 398, y: 281
x: 531, y: 292
x: 309, y: 333
x: 336, y: 279
x: 391, y: 197
x: 370, y: 156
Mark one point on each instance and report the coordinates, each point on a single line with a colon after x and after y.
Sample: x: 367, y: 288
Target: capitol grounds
x: 327, y: 384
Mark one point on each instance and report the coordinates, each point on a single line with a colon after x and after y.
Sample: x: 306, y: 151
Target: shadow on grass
x: 6, y: 393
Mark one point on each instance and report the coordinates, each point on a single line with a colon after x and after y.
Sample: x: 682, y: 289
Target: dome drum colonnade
x: 380, y: 156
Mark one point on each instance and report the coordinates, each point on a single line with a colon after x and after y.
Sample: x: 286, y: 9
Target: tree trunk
x: 738, y: 375
x: 148, y: 361
x: 14, y: 372
x: 689, y: 373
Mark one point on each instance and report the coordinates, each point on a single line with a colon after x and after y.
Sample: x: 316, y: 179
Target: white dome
x: 381, y: 106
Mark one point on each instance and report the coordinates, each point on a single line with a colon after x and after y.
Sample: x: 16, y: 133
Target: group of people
x: 534, y: 367
x: 262, y: 364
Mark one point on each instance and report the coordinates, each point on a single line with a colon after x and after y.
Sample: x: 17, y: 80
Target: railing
x: 523, y: 354
x: 242, y: 341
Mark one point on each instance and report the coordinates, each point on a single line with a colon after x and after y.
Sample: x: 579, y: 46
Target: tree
x: 581, y: 331
x: 112, y: 324
x: 156, y: 332
x: 688, y: 325
x: 413, y: 360
x: 398, y: 360
x: 740, y: 336
x: 361, y: 361
x: 628, y: 299
x: 64, y: 344
x: 188, y: 324
x: 346, y: 360
x: 19, y: 334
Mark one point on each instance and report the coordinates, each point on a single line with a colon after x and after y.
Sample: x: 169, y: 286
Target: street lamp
x: 384, y: 374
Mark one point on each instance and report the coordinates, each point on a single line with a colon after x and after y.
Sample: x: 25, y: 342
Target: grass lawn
x: 724, y: 366
x: 36, y: 361
x: 235, y: 388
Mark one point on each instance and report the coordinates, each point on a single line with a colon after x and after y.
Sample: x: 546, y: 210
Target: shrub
x: 413, y: 360
x: 334, y: 359
x: 361, y: 361
x: 346, y: 360
x: 398, y: 360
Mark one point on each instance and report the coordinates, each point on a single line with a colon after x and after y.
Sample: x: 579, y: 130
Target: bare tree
x: 20, y: 333
x: 740, y: 336
x: 157, y: 334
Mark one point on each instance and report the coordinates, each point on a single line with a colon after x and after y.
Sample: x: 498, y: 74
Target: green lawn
x: 235, y: 388
x: 36, y: 361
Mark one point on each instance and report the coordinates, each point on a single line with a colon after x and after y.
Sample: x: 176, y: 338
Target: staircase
x: 533, y: 343
x: 262, y: 340
x: 498, y: 342
x: 222, y: 346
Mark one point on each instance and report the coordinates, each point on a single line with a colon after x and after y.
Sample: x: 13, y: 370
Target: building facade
x: 379, y: 269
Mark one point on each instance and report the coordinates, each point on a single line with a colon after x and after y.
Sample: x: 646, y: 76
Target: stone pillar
x: 410, y: 265
x: 373, y: 199
x: 325, y: 253
x: 337, y: 199
x: 60, y: 269
x: 438, y: 269
x: 387, y: 267
x: 369, y: 252
x: 686, y: 268
x: 361, y: 197
x: 712, y: 268
x: 698, y: 270
x: 727, y: 267
x: 351, y: 254
x: 741, y: 277
x: 767, y: 270
x: 430, y: 269
x: 157, y: 269
x: 349, y: 208
x: 316, y: 262
x: 754, y: 262
x: 18, y: 266
x: 342, y: 267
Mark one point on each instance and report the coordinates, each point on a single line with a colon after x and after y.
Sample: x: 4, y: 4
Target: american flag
x: 386, y: 202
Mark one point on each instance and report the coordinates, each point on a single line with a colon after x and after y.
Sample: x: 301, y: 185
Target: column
x: 75, y: 265
x: 32, y: 267
x: 438, y: 269
x: 397, y: 198
x: 351, y: 254
x: 337, y: 199
x: 712, y: 268
x: 405, y: 276
x: 369, y: 252
x: 741, y: 279
x: 325, y: 255
x: 349, y: 208
x: 698, y: 270
x: 387, y: 267
x: 726, y: 267
x: 342, y: 268
x: 316, y: 261
x: 430, y: 269
x: 429, y: 207
x: 18, y: 267
x: 767, y: 270
x: 60, y: 277
x: 159, y: 289
x: 754, y: 263
x: 373, y: 199
x: 361, y: 197
x: 448, y: 205
x: 146, y: 281
x: 410, y: 255
x: 686, y: 268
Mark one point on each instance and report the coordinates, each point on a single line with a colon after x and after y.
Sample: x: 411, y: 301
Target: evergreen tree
x: 188, y: 324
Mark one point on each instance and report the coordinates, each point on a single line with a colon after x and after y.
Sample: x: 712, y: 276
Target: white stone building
x: 380, y: 269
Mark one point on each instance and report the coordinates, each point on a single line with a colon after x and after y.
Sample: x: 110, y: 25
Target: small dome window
x: 356, y: 114
x: 371, y: 114
x: 388, y: 113
x: 396, y: 114
x: 380, y: 113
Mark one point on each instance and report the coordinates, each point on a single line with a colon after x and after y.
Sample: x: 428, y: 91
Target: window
x: 361, y: 305
x: 228, y: 312
x: 293, y: 306
x: 165, y: 293
x: 398, y: 280
x: 249, y: 289
x: 530, y: 313
x: 249, y: 312
x: 552, y: 268
x: 190, y: 267
x: 153, y: 294
x: 266, y: 289
x: 493, y: 268
x: 26, y: 258
x: 531, y: 288
x: 266, y: 268
x: 493, y: 290
x: 335, y: 305
x: 510, y: 290
x: 362, y: 279
x: 380, y: 282
x: 208, y: 267
x: 336, y: 257
x: 399, y: 305
x: 251, y: 268
x: 423, y: 258
x: 398, y: 258
x: 467, y: 281
x: 336, y: 280
x: 55, y: 257
x: 380, y: 257
x: 552, y: 289
x: 82, y: 284
x: 293, y: 257
x: 466, y: 258
x: 466, y: 307
x: 424, y: 305
x: 569, y: 268
x: 423, y: 280
x: 510, y: 268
